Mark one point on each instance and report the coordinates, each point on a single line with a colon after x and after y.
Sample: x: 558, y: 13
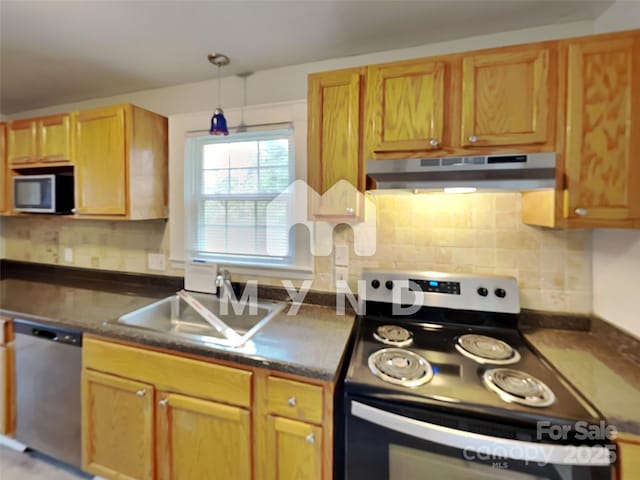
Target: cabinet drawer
x: 169, y: 372
x: 294, y: 399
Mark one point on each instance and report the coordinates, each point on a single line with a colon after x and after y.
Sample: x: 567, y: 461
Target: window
x: 235, y: 209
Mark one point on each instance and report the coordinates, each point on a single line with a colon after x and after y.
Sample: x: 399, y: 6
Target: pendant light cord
x: 218, y: 106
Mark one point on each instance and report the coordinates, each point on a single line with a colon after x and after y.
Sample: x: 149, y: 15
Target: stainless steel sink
x: 174, y: 317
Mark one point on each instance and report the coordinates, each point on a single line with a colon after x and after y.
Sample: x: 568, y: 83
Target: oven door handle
x: 485, y: 446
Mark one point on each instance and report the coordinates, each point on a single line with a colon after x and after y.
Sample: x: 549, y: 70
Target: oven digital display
x: 436, y: 286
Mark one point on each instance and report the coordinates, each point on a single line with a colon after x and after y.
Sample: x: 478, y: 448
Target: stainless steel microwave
x: 43, y: 193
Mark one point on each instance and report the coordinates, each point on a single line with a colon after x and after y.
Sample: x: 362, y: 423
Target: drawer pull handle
x: 311, y: 439
x: 164, y: 402
x: 141, y: 393
x: 581, y: 211
x: 292, y: 402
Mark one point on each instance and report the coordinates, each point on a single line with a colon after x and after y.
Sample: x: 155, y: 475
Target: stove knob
x: 388, y: 284
x: 500, y: 293
x: 375, y: 283
x: 483, y: 292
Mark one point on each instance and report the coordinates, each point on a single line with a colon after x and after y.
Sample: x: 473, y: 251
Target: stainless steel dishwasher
x: 48, y: 376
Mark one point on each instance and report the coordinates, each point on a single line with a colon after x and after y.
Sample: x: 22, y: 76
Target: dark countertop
x: 599, y: 364
x: 310, y: 343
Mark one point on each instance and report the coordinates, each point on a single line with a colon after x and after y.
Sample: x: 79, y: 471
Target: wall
x: 616, y: 253
x: 479, y: 233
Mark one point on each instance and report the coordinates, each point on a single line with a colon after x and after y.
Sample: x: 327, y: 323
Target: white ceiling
x: 54, y: 52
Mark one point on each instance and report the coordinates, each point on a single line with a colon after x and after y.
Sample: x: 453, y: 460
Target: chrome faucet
x: 222, y: 278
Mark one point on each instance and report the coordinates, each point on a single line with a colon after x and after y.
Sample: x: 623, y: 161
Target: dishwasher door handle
x: 45, y: 334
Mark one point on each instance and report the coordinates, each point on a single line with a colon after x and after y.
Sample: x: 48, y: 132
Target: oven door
x: 388, y: 442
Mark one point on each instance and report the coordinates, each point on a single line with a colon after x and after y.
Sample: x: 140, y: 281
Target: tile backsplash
x: 479, y: 233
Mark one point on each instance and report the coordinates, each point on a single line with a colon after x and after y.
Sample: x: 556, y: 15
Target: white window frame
x: 193, y: 178
x: 183, y: 126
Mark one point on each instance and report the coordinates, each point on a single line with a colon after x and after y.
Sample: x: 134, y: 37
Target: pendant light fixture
x: 218, y: 122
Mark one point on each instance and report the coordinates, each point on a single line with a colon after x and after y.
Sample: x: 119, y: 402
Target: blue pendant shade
x: 218, y: 123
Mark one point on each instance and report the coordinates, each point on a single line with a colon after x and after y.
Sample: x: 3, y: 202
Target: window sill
x: 258, y: 270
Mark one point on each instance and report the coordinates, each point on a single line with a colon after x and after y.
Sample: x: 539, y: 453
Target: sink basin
x: 174, y: 317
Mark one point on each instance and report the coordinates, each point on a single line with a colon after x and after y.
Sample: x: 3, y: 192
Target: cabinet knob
x: 473, y: 139
x: 349, y: 211
x: 434, y: 143
x: 581, y: 211
x: 141, y: 393
x: 164, y: 402
x: 73, y: 210
x: 292, y: 402
x: 311, y: 439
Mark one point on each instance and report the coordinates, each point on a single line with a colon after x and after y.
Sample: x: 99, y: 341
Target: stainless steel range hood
x: 512, y: 172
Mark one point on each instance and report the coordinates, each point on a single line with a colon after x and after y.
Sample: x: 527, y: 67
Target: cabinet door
x: 100, y: 158
x: 294, y: 450
x: 4, y: 178
x: 54, y: 134
x: 405, y: 105
x: 334, y: 140
x: 21, y: 142
x: 603, y: 118
x: 507, y: 98
x: 202, y: 439
x: 117, y: 426
x: 628, y: 457
x: 7, y: 389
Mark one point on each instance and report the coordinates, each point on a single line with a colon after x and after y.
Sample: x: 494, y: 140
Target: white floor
x: 27, y: 466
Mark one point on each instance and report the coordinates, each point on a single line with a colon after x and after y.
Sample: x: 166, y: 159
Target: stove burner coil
x: 400, y: 367
x: 393, y: 335
x: 485, y: 349
x: 515, y: 386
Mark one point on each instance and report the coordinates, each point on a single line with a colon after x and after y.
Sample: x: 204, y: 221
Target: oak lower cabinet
x: 148, y: 414
x: 121, y: 158
x: 202, y: 439
x: 7, y: 378
x: 294, y: 450
x: 117, y: 426
x: 628, y: 452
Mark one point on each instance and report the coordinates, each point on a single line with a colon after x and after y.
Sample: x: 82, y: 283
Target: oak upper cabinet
x: 117, y: 426
x: 121, y: 161
x: 405, y: 107
x: 22, y: 142
x: 603, y: 119
x: 40, y: 141
x: 5, y: 200
x: 508, y: 97
x: 628, y: 453
x: 334, y: 140
x: 54, y: 138
x: 202, y: 439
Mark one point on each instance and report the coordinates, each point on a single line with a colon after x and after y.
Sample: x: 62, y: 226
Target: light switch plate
x: 341, y: 258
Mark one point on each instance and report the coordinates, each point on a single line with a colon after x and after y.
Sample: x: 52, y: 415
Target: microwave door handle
x: 484, y: 444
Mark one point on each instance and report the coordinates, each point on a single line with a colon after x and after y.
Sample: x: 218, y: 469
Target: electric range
x: 441, y: 381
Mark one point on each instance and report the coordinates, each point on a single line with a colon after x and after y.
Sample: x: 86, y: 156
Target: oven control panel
x: 487, y: 293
